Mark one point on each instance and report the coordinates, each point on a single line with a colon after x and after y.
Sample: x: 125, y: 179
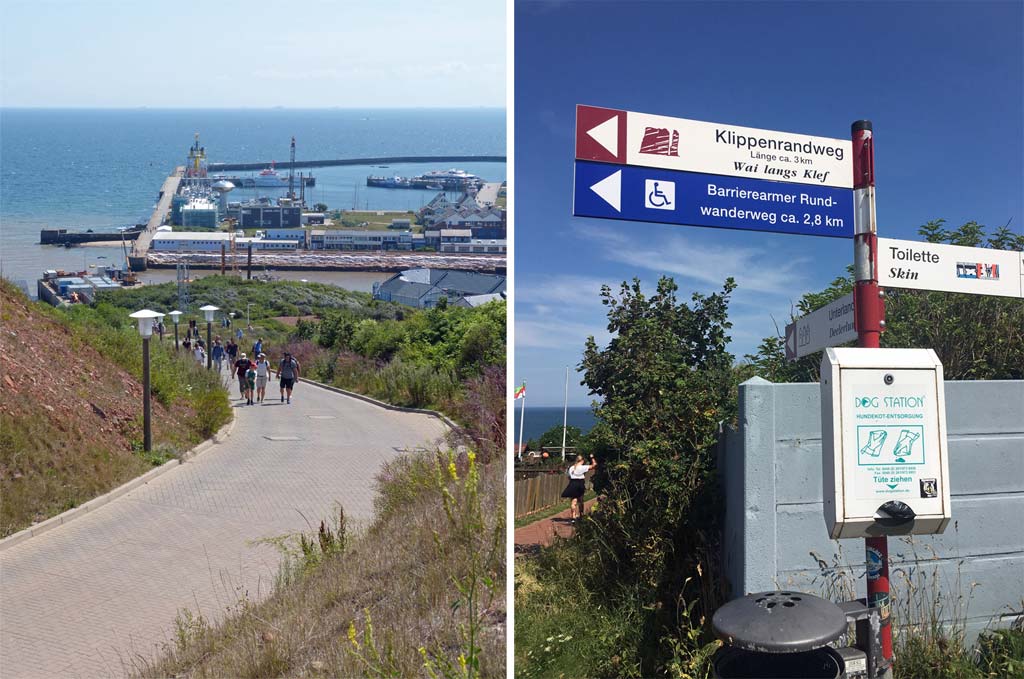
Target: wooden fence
x: 537, y: 490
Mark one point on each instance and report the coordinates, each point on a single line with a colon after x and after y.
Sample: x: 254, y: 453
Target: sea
x: 540, y: 419
x: 102, y: 168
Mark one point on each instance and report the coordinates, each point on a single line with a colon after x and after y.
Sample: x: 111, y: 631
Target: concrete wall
x: 775, y: 533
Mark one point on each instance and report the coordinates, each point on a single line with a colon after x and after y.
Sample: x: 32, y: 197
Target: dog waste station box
x: 885, y: 464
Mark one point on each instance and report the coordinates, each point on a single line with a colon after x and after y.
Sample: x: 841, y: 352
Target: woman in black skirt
x: 577, y: 485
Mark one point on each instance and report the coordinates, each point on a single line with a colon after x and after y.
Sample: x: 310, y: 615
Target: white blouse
x: 578, y: 472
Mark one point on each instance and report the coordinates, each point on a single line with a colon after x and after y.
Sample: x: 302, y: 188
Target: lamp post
x: 146, y: 319
x: 248, y: 324
x: 175, y: 316
x: 209, y: 310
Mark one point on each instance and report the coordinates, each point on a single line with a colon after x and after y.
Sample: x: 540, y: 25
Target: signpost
x: 950, y: 268
x: 628, y: 138
x: 645, y: 194
x: 648, y: 168
x: 829, y: 326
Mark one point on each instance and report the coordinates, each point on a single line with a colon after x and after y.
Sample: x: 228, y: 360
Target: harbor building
x: 493, y: 246
x: 298, y: 235
x: 202, y: 241
x: 264, y: 215
x: 321, y: 239
x: 422, y: 288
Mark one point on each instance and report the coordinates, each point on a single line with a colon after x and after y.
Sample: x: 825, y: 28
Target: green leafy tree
x: 977, y: 337
x: 551, y: 440
x: 663, y: 386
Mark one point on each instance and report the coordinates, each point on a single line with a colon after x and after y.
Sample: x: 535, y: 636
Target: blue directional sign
x: 646, y: 194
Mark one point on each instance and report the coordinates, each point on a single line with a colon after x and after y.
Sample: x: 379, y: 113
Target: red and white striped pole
x: 869, y: 313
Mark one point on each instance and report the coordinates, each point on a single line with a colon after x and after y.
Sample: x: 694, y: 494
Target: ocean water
x: 540, y: 419
x: 102, y: 168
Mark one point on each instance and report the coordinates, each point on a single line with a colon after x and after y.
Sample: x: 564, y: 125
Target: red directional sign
x: 600, y: 134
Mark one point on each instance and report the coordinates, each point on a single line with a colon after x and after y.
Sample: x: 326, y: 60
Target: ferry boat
x: 437, y: 180
x: 269, y: 178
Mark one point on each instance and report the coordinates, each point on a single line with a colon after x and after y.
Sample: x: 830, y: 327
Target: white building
x: 201, y: 241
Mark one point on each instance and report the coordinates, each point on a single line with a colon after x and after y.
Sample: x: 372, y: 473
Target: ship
x: 270, y: 178
x: 436, y: 180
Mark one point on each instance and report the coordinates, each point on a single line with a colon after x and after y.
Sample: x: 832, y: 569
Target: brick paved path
x: 82, y: 599
x: 542, y: 533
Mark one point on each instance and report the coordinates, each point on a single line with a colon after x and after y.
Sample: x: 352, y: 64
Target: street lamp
x: 248, y: 325
x: 175, y: 316
x: 146, y: 319
x: 209, y: 310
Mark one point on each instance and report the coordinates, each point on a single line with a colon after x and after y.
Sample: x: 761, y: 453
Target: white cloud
x: 549, y: 332
x: 754, y: 269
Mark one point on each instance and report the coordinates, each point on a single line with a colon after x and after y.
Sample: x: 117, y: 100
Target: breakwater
x: 391, y: 262
x: 388, y: 160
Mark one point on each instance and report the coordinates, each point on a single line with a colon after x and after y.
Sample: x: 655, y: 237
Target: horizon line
x: 250, y: 108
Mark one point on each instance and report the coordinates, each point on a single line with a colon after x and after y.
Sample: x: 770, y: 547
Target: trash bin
x: 779, y: 635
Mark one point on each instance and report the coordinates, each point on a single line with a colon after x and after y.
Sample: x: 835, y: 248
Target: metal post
x: 869, y: 317
x: 147, y: 434
x: 176, y: 337
x: 209, y: 345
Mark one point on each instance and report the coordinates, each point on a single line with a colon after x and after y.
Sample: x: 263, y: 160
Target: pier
x: 389, y: 160
x: 140, y: 248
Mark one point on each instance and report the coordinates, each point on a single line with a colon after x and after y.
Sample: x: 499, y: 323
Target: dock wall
x: 388, y: 160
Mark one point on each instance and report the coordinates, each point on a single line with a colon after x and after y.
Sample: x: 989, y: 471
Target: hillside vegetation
x: 420, y: 594
x: 71, y: 406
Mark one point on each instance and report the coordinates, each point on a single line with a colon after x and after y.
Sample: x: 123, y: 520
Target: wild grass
x: 419, y: 592
x: 929, y: 618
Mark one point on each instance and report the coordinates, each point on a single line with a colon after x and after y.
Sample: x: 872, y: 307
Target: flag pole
x: 522, y: 416
x: 565, y: 411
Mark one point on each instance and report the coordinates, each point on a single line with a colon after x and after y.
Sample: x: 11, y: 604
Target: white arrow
x: 607, y: 135
x: 610, y: 189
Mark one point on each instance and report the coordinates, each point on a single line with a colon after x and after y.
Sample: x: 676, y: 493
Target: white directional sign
x: 949, y: 268
x: 828, y: 326
x: 642, y: 139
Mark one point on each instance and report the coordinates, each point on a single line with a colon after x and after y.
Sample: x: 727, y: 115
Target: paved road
x: 80, y: 600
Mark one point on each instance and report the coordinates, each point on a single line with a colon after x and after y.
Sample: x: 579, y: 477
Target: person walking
x: 262, y: 377
x: 241, y: 366
x: 577, y: 485
x: 257, y: 348
x: 200, y: 352
x: 231, y: 349
x: 288, y: 373
x: 217, y: 354
x: 186, y: 343
x: 250, y: 382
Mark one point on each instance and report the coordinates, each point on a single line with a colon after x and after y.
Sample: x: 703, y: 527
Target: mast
x: 291, y: 173
x: 565, y: 410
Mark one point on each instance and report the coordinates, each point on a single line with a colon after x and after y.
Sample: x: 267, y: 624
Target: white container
x: 885, y: 456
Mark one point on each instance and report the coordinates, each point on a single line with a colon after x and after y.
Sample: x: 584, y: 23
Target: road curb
x: 388, y: 406
x: 97, y: 502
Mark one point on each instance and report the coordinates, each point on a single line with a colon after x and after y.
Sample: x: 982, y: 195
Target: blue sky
x: 941, y: 83
x: 252, y: 53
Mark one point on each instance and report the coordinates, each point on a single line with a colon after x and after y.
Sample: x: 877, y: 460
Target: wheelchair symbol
x: 660, y: 195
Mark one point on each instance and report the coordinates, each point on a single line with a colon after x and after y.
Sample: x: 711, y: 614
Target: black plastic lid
x: 779, y: 622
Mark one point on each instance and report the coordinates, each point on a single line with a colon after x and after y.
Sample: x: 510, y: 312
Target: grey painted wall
x: 771, y: 472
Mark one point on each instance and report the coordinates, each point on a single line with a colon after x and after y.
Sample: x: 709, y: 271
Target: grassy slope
x: 70, y: 418
x: 409, y: 576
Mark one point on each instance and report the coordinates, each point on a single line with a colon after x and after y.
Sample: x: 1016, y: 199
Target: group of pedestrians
x: 253, y: 374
